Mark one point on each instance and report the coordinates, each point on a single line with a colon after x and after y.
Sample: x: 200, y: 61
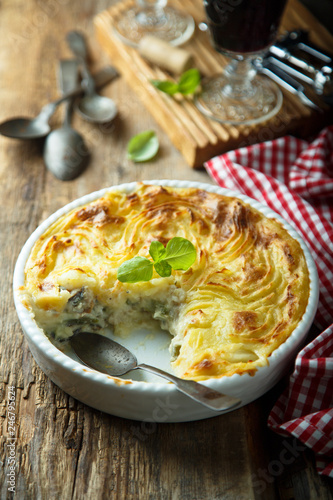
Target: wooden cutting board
x: 199, y: 138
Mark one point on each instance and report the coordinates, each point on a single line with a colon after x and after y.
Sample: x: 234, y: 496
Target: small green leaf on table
x: 143, y: 146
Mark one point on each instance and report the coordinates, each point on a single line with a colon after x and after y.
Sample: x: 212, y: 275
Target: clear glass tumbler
x: 153, y: 17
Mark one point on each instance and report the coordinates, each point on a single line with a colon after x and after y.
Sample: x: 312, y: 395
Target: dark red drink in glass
x: 243, y: 26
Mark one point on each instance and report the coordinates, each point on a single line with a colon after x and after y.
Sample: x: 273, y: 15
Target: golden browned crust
x: 245, y: 294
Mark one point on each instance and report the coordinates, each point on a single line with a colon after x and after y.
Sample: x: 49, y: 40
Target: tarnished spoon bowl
x: 65, y: 153
x: 96, y: 108
x: 24, y: 128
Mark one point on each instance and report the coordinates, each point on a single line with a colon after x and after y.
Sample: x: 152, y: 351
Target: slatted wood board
x: 198, y: 138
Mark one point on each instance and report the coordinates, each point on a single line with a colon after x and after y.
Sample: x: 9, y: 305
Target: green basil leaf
x: 180, y: 253
x: 143, y: 146
x: 157, y: 250
x: 166, y: 86
x: 189, y: 81
x: 136, y: 269
x: 163, y: 268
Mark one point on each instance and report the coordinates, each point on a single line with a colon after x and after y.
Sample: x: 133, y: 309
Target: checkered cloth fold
x: 295, y: 178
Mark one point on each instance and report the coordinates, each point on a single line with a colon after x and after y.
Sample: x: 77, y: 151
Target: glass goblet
x: 153, y: 17
x: 241, y: 30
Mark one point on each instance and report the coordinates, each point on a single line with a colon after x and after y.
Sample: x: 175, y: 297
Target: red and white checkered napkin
x: 295, y: 178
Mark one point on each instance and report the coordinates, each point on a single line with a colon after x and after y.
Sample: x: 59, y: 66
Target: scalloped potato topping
x: 241, y: 299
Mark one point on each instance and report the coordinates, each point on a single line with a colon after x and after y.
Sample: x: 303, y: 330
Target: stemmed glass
x: 241, y: 30
x: 155, y: 18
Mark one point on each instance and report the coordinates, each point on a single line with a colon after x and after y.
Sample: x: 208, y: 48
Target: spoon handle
x: 68, y: 80
x: 204, y: 395
x: 48, y: 110
x: 77, y: 44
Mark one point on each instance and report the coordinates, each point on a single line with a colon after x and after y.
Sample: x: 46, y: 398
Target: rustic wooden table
x: 65, y: 449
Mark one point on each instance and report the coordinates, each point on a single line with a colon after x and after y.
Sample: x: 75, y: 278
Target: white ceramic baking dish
x: 149, y: 398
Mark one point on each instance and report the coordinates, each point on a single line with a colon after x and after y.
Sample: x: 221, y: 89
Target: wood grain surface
x: 64, y: 449
x: 199, y: 138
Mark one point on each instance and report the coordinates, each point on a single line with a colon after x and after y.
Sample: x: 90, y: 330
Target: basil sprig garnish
x: 187, y: 84
x: 179, y: 254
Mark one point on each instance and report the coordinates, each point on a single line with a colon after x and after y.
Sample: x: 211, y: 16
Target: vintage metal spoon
x: 91, y: 107
x: 65, y: 152
x: 107, y: 356
x: 35, y: 128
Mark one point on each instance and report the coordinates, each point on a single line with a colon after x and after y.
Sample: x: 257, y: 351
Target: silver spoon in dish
x: 107, y: 356
x: 91, y: 107
x: 65, y: 152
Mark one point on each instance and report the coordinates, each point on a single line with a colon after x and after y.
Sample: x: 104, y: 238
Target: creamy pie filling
x: 124, y: 313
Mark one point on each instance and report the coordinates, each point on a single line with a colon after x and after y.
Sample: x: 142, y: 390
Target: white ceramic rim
x: 224, y: 383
